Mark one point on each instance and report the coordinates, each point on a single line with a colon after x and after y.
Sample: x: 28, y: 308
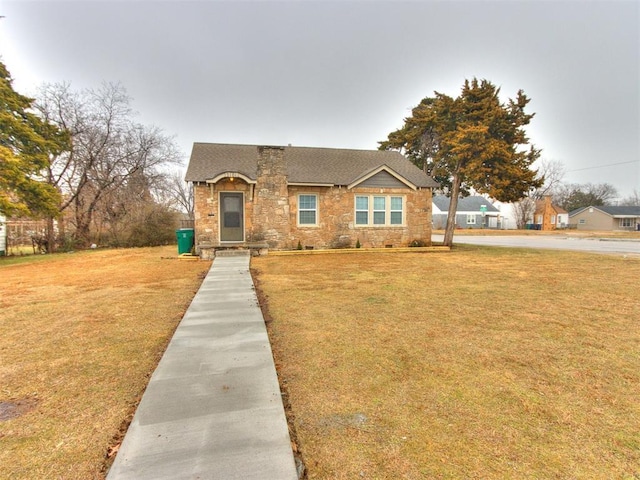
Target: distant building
x: 508, y: 219
x: 471, y: 212
x: 606, y: 218
x: 549, y: 216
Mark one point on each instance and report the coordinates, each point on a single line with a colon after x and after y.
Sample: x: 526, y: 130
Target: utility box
x: 185, y: 240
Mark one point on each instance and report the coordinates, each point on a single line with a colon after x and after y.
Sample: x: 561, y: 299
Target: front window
x: 362, y: 210
x: 471, y: 219
x: 553, y: 219
x: 626, y: 222
x: 396, y: 211
x: 307, y: 209
x: 379, y: 210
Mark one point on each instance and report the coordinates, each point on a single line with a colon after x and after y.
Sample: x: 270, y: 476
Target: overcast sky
x: 345, y: 74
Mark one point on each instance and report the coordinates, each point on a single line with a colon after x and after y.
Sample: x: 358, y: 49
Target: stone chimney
x: 271, y: 205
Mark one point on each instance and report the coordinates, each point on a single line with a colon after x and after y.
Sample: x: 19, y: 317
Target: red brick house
x: 292, y: 197
x: 548, y: 216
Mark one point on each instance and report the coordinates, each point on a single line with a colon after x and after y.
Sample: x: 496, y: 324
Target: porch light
x: 231, y: 179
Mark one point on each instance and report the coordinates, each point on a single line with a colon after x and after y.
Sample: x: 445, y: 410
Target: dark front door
x: 231, y: 217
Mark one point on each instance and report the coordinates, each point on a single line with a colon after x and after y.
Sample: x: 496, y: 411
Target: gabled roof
x: 382, y: 168
x: 465, y: 204
x: 614, y: 211
x: 305, y: 165
x: 540, y: 204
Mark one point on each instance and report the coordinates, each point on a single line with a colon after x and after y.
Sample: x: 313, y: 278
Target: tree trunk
x: 453, y: 206
x: 51, y: 236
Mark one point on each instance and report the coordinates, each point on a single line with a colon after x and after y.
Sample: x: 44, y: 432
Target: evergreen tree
x: 470, y: 142
x: 26, y: 144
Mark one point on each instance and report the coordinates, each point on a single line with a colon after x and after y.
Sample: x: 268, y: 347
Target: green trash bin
x: 185, y: 240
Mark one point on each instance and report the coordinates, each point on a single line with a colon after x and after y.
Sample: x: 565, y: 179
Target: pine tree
x: 26, y: 143
x: 471, y: 142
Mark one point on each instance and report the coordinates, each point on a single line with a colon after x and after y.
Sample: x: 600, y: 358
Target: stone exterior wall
x: 336, y: 219
x: 271, y: 212
x: 277, y: 223
x: 207, y: 213
x: 270, y: 216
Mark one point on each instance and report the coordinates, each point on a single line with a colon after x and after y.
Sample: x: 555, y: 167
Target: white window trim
x: 316, y: 210
x: 387, y: 212
x: 402, y: 210
x: 471, y: 218
x: 626, y: 220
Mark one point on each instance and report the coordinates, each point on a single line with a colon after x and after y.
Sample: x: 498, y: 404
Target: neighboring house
x: 471, y: 212
x: 508, y: 219
x: 21, y: 231
x: 606, y: 218
x: 548, y: 216
x: 300, y: 197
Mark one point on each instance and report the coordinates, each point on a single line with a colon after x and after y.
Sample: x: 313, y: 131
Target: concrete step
x: 233, y: 252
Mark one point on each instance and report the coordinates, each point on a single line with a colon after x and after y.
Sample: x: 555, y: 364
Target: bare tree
x: 632, y: 200
x: 524, y: 210
x: 574, y: 196
x: 182, y: 193
x: 108, y: 148
x: 553, y: 172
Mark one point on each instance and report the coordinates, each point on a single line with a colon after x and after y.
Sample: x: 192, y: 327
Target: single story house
x: 606, y: 218
x: 471, y: 212
x: 302, y: 197
x: 508, y: 219
x: 548, y: 216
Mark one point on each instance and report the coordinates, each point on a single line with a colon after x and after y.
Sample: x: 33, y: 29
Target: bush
x: 157, y: 227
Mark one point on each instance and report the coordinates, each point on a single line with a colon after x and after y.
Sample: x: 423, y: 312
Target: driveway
x: 559, y: 242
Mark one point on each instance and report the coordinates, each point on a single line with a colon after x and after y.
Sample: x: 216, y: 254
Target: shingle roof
x: 540, y: 204
x: 614, y: 211
x: 465, y: 204
x: 304, y: 164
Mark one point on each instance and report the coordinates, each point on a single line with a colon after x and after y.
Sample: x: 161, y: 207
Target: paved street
x: 559, y: 242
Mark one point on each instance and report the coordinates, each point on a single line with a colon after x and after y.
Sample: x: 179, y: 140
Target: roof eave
x: 310, y: 184
x: 230, y: 175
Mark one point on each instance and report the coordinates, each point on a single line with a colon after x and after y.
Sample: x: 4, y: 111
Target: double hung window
x: 379, y: 210
x: 626, y: 222
x: 307, y: 209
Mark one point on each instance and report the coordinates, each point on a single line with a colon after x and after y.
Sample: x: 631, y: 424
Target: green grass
x: 477, y: 363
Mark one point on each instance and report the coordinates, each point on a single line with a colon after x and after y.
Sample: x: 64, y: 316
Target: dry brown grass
x: 79, y: 336
x: 477, y: 363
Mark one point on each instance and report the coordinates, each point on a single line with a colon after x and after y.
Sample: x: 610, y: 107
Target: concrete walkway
x: 213, y: 408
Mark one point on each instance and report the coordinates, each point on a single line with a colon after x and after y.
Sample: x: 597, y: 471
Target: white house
x: 508, y: 217
x: 471, y: 212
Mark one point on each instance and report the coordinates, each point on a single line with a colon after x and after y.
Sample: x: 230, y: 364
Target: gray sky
x: 345, y: 74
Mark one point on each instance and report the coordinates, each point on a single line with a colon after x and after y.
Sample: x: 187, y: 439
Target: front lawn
x: 476, y: 363
x: 80, y: 334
